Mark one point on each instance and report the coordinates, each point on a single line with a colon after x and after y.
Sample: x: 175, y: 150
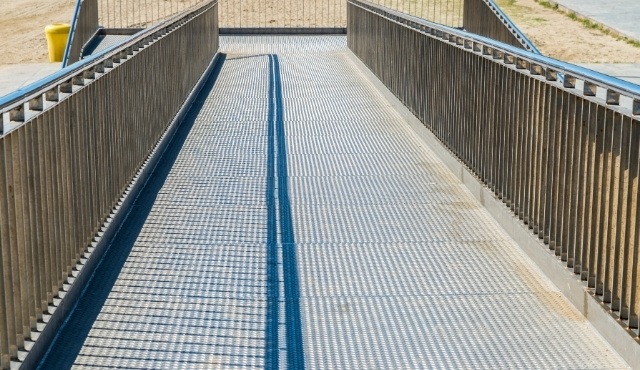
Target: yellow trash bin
x: 57, y: 35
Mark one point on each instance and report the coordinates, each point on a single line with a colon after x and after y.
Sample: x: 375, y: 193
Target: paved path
x: 297, y: 221
x: 620, y: 15
x: 624, y: 71
x: 15, y: 76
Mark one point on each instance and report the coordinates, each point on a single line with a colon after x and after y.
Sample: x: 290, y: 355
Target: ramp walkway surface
x: 17, y: 76
x: 297, y: 221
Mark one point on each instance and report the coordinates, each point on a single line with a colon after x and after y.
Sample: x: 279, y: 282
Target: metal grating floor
x: 302, y: 223
x: 102, y: 42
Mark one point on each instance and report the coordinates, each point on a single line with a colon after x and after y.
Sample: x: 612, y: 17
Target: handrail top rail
x: 74, y: 21
x: 551, y: 68
x: 66, y: 74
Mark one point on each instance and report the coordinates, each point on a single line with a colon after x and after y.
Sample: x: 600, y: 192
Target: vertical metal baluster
x: 522, y: 203
x: 596, y: 138
x: 493, y: 129
x: 589, y: 121
x: 21, y: 221
x: 11, y: 320
x: 629, y: 236
x: 633, y: 227
x: 620, y: 301
x: 561, y: 171
x: 612, y: 249
x: 70, y: 172
x: 47, y: 217
x: 520, y: 164
x: 530, y: 217
x: 14, y: 206
x: 41, y: 201
x: 571, y: 197
x: 516, y: 147
x: 565, y: 189
x: 37, y: 228
x: 556, y: 109
x: 30, y: 226
x: 582, y: 141
x: 603, y: 198
x: 503, y: 132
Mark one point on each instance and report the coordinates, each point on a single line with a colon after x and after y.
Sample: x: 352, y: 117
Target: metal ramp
x: 105, y: 39
x: 297, y: 221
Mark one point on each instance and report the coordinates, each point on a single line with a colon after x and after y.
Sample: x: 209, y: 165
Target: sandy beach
x: 22, y: 23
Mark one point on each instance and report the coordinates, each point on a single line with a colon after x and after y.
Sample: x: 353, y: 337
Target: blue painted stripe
x: 293, y: 322
x: 271, y: 349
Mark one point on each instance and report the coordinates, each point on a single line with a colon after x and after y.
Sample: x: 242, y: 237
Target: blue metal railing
x: 72, y: 32
x: 49, y: 82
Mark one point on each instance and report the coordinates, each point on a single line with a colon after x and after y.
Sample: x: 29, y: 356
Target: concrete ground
x: 15, y: 76
x: 619, y: 15
x: 625, y: 71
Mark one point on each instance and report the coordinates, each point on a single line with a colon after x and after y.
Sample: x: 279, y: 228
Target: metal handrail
x: 510, y: 26
x: 49, y: 82
x: 92, y: 64
x: 565, y: 74
x: 72, y: 32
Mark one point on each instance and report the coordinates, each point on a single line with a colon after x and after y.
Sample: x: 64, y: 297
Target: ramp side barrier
x: 446, y: 12
x: 485, y: 18
x: 69, y: 146
x: 562, y: 153
x: 311, y: 15
x: 92, y: 15
x: 140, y: 13
x: 83, y: 26
x: 242, y: 15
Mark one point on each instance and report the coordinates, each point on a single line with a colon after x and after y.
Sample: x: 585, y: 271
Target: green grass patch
x: 632, y: 42
x: 547, y: 4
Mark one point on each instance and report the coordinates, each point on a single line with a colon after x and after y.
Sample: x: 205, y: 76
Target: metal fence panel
x: 485, y: 18
x: 65, y: 164
x: 140, y: 13
x: 84, y: 26
x: 325, y: 14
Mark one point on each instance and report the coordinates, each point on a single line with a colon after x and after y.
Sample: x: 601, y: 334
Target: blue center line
x: 271, y: 355
x: 277, y: 140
